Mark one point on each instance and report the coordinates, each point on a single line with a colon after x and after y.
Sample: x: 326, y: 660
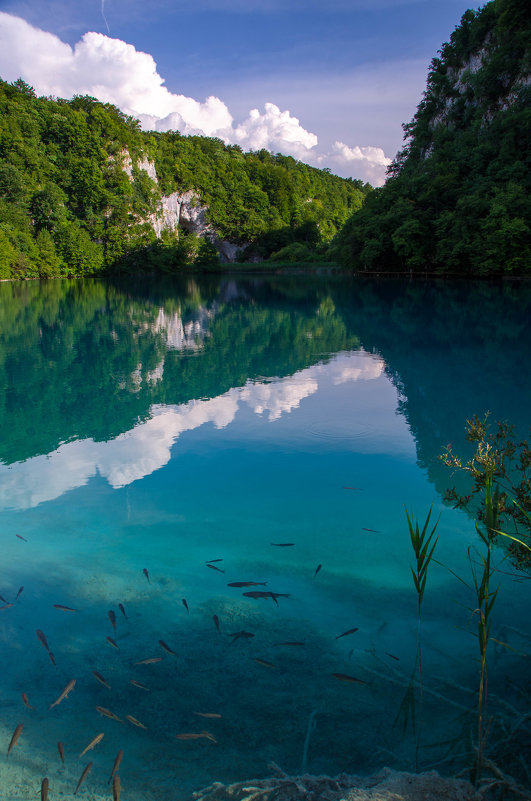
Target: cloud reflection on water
x: 147, y: 447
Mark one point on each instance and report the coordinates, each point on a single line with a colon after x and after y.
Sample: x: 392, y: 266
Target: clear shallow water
x: 163, y: 425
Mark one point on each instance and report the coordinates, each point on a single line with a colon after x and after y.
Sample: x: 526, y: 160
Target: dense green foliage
x: 457, y: 196
x: 67, y: 207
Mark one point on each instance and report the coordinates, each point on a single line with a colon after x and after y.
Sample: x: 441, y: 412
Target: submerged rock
x: 387, y: 785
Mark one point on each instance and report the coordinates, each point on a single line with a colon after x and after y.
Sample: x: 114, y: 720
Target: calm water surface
x: 278, y: 427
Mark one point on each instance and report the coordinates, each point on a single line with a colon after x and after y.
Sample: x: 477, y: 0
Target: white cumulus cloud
x: 115, y: 72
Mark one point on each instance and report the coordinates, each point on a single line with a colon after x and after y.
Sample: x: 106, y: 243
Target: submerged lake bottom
x: 226, y: 578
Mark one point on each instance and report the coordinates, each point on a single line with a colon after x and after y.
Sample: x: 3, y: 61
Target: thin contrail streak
x: 104, y: 17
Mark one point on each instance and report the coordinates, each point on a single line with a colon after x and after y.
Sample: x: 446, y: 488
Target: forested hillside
x: 83, y: 190
x: 457, y: 196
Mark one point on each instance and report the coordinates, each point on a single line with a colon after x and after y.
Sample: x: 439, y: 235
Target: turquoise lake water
x: 278, y: 426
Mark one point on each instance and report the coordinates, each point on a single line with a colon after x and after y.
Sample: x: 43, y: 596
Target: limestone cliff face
x: 180, y: 210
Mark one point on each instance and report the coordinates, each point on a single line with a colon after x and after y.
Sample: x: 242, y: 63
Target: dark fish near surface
x: 112, y: 618
x: 21, y: 537
x: 64, y: 608
x: 117, y: 761
x: 101, y: 680
x: 116, y: 788
x: 42, y: 639
x: 108, y: 714
x: 111, y: 642
x: 392, y: 656
x: 3, y: 599
x: 146, y: 574
x: 261, y: 594
x: 208, y: 561
x: 247, y: 584
x: 374, y: 530
x: 137, y: 684
x: 61, y: 752
x: 67, y: 690
x: 135, y: 722
x: 264, y: 663
x: 348, y: 679
x: 288, y: 643
x: 350, y: 631
x: 186, y: 605
x: 92, y: 744
x: 14, y: 739
x: 122, y: 610
x: 26, y: 702
x: 83, y: 777
x: 44, y: 789
x: 213, y: 567
x: 317, y: 569
x: 283, y: 544
x: 166, y: 647
x: 150, y: 661
x: 215, y: 618
x: 239, y: 634
x: 18, y: 593
x: 52, y: 658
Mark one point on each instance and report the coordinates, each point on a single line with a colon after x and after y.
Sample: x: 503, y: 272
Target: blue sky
x: 349, y: 71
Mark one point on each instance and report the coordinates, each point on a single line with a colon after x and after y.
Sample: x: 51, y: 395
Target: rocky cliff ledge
x: 180, y: 210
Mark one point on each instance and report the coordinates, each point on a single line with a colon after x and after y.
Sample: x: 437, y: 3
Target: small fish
x: 61, y: 752
x: 350, y: 631
x: 248, y: 584
x: 264, y: 663
x: 261, y: 594
x: 44, y: 789
x: 137, y: 684
x: 374, y: 530
x: 21, y: 537
x: 213, y: 567
x: 112, y: 618
x: 6, y: 606
x: 208, y: 714
x: 239, y: 634
x: 67, y: 690
x: 101, y: 680
x: 92, y: 744
x: 18, y: 594
x: 14, y: 739
x: 196, y: 736
x: 348, y: 679
x: 317, y: 569
x: 146, y: 574
x: 108, y: 714
x: 52, y: 658
x: 288, y: 643
x: 3, y: 599
x: 166, y: 647
x: 117, y: 761
x: 42, y: 639
x: 352, y: 488
x: 83, y: 777
x: 213, y: 560
x: 282, y: 544
x: 392, y: 656
x: 135, y: 722
x: 215, y: 618
x: 64, y: 608
x: 26, y: 702
x: 111, y: 642
x: 122, y: 610
x: 185, y: 605
x: 116, y: 788
x: 150, y: 661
